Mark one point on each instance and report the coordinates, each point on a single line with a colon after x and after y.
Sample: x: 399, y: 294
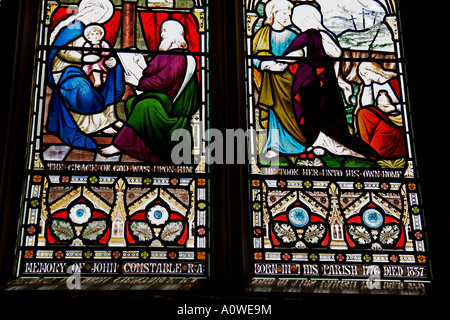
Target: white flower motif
x: 80, y: 213
x: 158, y: 215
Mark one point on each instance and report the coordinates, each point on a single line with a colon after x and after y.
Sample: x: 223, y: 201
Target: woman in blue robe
x: 272, y: 40
x: 72, y: 89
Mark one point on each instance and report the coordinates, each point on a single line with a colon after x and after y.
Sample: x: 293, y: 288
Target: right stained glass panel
x: 334, y: 192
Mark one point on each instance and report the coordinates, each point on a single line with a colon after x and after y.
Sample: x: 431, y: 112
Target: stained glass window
x: 334, y: 192
x: 114, y: 82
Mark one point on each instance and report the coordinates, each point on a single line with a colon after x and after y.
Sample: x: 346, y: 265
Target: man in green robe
x: 168, y: 102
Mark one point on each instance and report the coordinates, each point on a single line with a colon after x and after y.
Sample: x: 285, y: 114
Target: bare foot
x: 387, y: 108
x: 111, y: 150
x: 110, y: 130
x: 271, y: 154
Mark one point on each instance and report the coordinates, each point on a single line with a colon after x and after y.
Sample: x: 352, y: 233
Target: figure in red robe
x: 379, y: 120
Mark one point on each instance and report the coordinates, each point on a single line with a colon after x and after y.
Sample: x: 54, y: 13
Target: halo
x: 104, y: 4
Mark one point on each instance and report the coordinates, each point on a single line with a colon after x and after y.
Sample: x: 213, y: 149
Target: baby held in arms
x: 94, y: 58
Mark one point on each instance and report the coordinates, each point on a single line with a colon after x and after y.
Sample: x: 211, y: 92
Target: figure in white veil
x: 76, y: 107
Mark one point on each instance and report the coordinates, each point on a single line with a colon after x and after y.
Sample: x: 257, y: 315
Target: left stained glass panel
x: 117, y: 85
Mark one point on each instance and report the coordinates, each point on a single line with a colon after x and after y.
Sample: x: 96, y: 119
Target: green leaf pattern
x: 172, y: 231
x: 63, y: 230
x: 141, y: 230
x: 389, y: 233
x: 360, y: 234
x: 285, y: 232
x: 314, y: 233
x: 94, y: 230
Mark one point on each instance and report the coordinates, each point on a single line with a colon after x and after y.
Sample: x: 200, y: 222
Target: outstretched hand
x: 111, y: 62
x: 140, y: 61
x: 347, y: 89
x: 273, y: 66
x: 131, y: 79
x: 278, y: 67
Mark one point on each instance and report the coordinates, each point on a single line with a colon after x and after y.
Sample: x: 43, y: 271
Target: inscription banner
x: 362, y: 271
x: 104, y: 268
